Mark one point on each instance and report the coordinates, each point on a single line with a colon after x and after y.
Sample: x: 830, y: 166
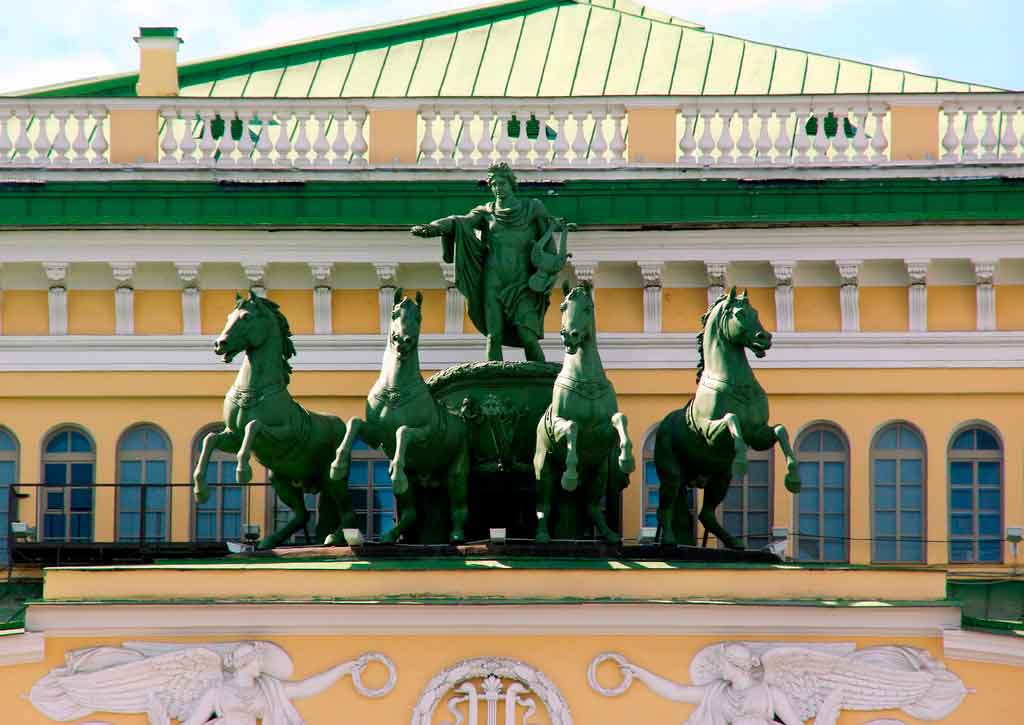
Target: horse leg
x: 793, y: 482
x: 531, y: 346
x: 291, y: 496
x: 403, y: 437
x: 545, y: 490
x: 225, y: 441
x: 405, y: 505
x: 343, y: 457
x: 458, y: 493
x: 626, y: 462
x: 714, y: 494
x: 729, y: 424
x: 567, y: 430
x: 595, y: 492
x: 670, y: 477
x: 336, y: 502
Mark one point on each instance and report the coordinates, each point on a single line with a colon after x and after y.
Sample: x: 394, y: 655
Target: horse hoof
x: 627, y: 464
x: 389, y: 538
x: 542, y: 537
x: 569, y: 483
x: 339, y: 473
x: 457, y: 538
x: 793, y: 484
x: 243, y: 474
x: 201, y: 495
x: 612, y: 538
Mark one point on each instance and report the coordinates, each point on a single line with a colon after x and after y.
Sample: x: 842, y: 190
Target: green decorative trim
x: 163, y: 32
x: 590, y: 203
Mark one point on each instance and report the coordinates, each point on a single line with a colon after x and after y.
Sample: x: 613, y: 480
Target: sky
x: 64, y: 40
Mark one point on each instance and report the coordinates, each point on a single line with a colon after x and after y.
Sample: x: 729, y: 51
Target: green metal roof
x: 529, y: 48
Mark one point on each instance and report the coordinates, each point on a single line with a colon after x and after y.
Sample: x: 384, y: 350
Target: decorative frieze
x: 255, y: 272
x: 716, y: 280
x: 917, y: 269
x: 784, y: 317
x: 387, y: 273
x: 984, y: 274
x: 584, y: 270
x: 188, y: 273
x: 57, y: 298
x: 652, y: 274
x: 322, y: 303
x: 849, y: 294
x: 124, y: 297
x: 454, y: 303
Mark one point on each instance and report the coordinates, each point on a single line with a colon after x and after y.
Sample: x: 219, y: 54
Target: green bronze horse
x: 262, y: 419
x: 582, y: 427
x: 424, y: 440
x: 704, y: 445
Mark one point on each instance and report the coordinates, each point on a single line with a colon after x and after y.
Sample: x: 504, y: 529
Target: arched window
x: 897, y: 495
x: 143, y: 475
x: 69, y: 470
x: 652, y: 486
x: 746, y: 512
x: 976, y: 497
x: 822, y: 507
x: 369, y: 484
x: 220, y: 517
x: 8, y: 477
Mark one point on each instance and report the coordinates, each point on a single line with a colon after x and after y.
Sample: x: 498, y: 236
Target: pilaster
x: 984, y: 273
x: 652, y: 274
x: 784, y: 318
x: 256, y: 272
x: 917, y: 269
x: 454, y: 304
x: 849, y: 294
x: 124, y: 298
x: 188, y: 273
x: 716, y: 280
x: 322, y: 320
x: 56, y: 273
x: 387, y: 273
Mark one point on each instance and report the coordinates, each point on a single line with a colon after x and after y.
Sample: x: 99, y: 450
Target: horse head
x: 738, y: 323
x: 577, y: 316
x: 406, y: 318
x: 245, y: 328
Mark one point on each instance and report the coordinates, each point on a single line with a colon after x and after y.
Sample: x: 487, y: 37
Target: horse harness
x: 589, y: 389
x: 397, y: 396
x: 248, y: 398
x: 744, y: 393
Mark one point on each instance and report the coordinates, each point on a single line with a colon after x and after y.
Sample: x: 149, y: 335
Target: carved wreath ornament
x: 491, y: 682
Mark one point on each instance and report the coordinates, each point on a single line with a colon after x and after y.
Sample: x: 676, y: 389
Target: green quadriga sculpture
x: 262, y: 419
x: 506, y: 262
x: 582, y: 433
x: 425, y: 441
x: 704, y: 445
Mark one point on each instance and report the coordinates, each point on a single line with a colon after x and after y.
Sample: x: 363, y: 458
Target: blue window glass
x: 976, y: 497
x: 746, y: 511
x: 143, y: 460
x: 822, y: 506
x: 69, y: 471
x: 373, y: 499
x: 897, y: 472
x: 220, y: 517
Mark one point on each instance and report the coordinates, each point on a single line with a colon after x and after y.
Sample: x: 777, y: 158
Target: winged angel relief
x: 229, y: 683
x: 758, y: 683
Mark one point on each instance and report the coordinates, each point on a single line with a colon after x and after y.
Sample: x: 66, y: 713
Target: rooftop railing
x: 530, y: 133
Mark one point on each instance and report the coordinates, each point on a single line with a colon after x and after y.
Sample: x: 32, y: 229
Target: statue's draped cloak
x: 522, y: 306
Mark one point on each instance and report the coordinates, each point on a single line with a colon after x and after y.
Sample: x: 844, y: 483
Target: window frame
x: 743, y: 485
x: 829, y: 456
x: 143, y: 455
x: 696, y: 495
x: 900, y: 454
x: 8, y: 507
x: 67, y: 459
x: 975, y: 456
x: 216, y: 489
x: 370, y: 455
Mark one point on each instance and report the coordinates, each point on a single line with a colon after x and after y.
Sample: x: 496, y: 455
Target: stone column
x: 584, y: 270
x: 652, y: 272
x: 124, y: 298
x: 256, y: 273
x: 918, y: 294
x: 454, y: 304
x: 386, y: 275
x: 716, y: 280
x: 322, y: 302
x: 849, y: 294
x: 56, y: 273
x: 784, y: 318
x: 984, y: 272
x: 191, y: 322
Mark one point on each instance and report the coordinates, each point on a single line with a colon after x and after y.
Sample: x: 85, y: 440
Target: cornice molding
x: 959, y: 644
x: 21, y: 647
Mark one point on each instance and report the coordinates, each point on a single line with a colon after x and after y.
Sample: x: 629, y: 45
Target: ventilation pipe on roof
x: 158, y: 61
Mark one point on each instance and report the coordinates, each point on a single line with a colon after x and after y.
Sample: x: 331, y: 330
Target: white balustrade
x: 52, y: 134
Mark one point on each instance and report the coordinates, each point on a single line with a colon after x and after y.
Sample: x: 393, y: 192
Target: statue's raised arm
x: 506, y: 261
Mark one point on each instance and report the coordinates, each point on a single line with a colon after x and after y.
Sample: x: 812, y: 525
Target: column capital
x: 716, y: 273
x: 984, y: 270
x: 188, y: 272
x: 849, y: 271
x: 123, y: 273
x: 386, y: 273
x: 652, y: 273
x: 448, y: 270
x: 56, y: 272
x: 584, y: 269
x: 254, y: 272
x: 321, y: 272
x: 783, y: 271
x: 918, y: 270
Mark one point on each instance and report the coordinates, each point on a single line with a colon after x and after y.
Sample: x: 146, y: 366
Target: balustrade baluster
x: 950, y: 139
x: 446, y: 147
x: 879, y: 141
x: 187, y: 145
x: 688, y: 142
x: 60, y: 141
x: 989, y: 141
x: 541, y: 145
x: 725, y: 141
x: 860, y: 138
x: 598, y: 145
x: 561, y: 145
x: 226, y: 146
x: 802, y: 142
x: 821, y: 142
x: 283, y: 144
x: 263, y: 145
x: 840, y: 144
x: 301, y: 143
x: 359, y: 145
x: 427, y: 144
x: 523, y: 145
x: 99, y: 144
x: 22, y: 145
x: 764, y: 139
x: 969, y: 140
x: 42, y: 144
x: 1008, y: 141
x: 618, y: 144
x: 340, y: 145
x: 579, y: 142
x: 504, y: 146
x: 245, y: 144
x: 745, y: 144
x: 466, y: 146
x: 320, y: 147
x: 206, y: 143
x: 5, y: 140
x: 485, y: 145
x: 168, y: 144
x: 707, y: 141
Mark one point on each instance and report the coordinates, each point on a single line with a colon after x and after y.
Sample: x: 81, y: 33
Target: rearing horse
x: 261, y: 418
x: 705, y: 444
x: 583, y: 425
x: 424, y: 440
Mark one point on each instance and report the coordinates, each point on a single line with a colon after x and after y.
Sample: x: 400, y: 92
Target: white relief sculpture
x: 510, y: 686
x: 228, y: 683
x: 759, y: 683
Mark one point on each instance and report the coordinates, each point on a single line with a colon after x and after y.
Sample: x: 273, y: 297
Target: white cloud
x: 51, y: 71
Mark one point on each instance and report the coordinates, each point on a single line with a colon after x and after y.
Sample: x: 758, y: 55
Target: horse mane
x: 700, y: 335
x: 583, y: 288
x: 287, y: 346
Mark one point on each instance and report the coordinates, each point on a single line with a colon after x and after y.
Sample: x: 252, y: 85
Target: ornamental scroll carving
x: 227, y: 683
x: 763, y: 683
x: 491, y: 685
